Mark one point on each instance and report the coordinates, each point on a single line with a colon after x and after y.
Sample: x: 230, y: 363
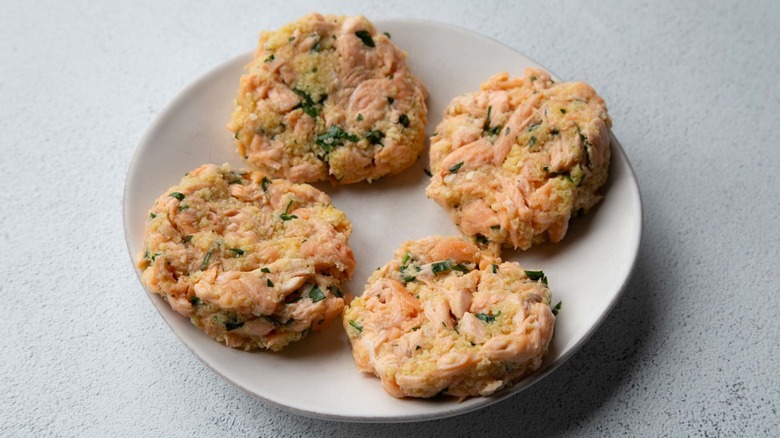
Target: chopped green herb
x: 357, y: 326
x: 152, y: 216
x: 187, y: 238
x: 417, y: 347
x: 264, y: 183
x: 532, y: 142
x: 563, y: 174
x: 506, y: 132
x: 461, y: 268
x: 266, y: 270
x: 177, y: 195
x: 238, y: 251
x: 291, y: 39
x: 533, y: 127
x: 403, y: 119
x: 286, y: 216
x: 486, y: 128
x: 316, y: 294
x: 306, y: 104
x: 183, y: 207
x: 495, y: 227
x: 409, y: 278
x: 387, y: 34
x: 194, y: 301
x: 336, y: 291
x: 442, y: 266
x: 487, y: 318
x: 495, y: 268
x: 557, y: 308
x: 427, y: 172
x: 563, y: 111
x: 414, y: 329
x: 155, y: 255
x: 269, y: 58
x: 583, y: 138
x: 365, y: 36
x: 533, y: 78
x: 316, y: 47
x: 269, y: 283
x: 481, y: 239
x: 406, y: 259
x: 554, y: 131
x: 390, y: 100
x: 271, y: 319
x: 233, y: 324
x: 360, y: 117
x: 235, y: 135
x: 456, y: 167
x: 535, y: 275
x: 375, y: 137
x: 205, y: 263
x: 545, y: 168
x: 146, y: 254
x: 334, y: 137
x: 314, y: 70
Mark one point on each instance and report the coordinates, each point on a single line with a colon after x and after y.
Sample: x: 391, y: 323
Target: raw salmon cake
x: 328, y: 97
x: 253, y: 262
x: 513, y: 162
x: 445, y: 317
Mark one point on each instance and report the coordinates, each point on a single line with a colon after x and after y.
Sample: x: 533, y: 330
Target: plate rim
x: 530, y: 380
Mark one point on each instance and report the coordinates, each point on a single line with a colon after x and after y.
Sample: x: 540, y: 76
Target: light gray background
x: 690, y: 349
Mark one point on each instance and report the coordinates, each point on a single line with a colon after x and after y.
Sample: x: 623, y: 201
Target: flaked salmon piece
x: 514, y: 162
x: 254, y: 262
x: 445, y: 317
x: 329, y: 98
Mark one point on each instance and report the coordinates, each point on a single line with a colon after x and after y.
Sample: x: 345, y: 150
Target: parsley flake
x: 177, y: 195
x: 442, y: 266
x: 375, y: 137
x: 357, y: 326
x: 266, y: 270
x: 307, y: 104
x: 403, y: 119
x: 205, y: 263
x: 286, y: 216
x: 316, y: 294
x: 557, y: 308
x: 456, y: 167
x: 487, y: 318
x: 365, y: 36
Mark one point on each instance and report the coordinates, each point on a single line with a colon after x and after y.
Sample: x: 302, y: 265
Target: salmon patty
x: 445, y: 317
x: 515, y: 161
x: 328, y: 97
x: 253, y: 262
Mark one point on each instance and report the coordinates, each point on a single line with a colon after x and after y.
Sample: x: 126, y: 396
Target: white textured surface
x: 690, y: 349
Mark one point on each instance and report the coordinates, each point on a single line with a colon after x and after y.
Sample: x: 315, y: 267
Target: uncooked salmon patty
x: 253, y: 262
x: 515, y: 161
x: 444, y: 317
x: 329, y: 97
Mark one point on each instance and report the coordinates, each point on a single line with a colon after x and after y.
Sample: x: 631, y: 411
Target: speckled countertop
x: 692, y: 347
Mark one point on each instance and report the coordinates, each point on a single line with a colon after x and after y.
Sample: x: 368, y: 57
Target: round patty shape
x: 253, y: 262
x: 513, y: 162
x: 327, y: 97
x: 444, y: 317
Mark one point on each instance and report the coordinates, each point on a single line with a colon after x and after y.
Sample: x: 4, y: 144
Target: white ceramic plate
x: 316, y: 377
